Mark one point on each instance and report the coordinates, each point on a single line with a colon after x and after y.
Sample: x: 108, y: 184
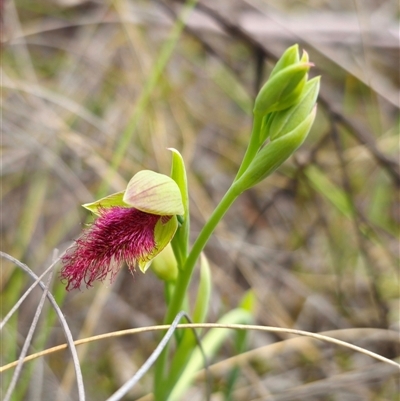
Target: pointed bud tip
x: 308, y: 64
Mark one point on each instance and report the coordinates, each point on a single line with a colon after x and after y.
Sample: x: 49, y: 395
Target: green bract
x: 180, y: 242
x: 178, y: 174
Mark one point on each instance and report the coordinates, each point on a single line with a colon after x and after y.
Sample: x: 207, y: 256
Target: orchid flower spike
x: 132, y: 226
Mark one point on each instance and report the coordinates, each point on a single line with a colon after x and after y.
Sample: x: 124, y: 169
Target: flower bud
x: 202, y: 303
x: 271, y: 156
x: 288, y: 58
x: 285, y: 84
x: 282, y: 90
x: 285, y: 121
x: 164, y: 265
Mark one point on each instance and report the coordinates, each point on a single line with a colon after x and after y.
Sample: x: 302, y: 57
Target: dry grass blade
x: 27, y: 292
x: 28, y: 341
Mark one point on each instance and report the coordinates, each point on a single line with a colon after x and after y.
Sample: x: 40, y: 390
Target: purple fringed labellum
x: 119, y: 234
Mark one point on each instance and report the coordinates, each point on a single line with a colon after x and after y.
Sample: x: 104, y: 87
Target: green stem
x: 184, y: 277
x: 186, y: 273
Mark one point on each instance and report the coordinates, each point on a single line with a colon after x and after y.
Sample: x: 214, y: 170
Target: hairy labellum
x: 119, y: 234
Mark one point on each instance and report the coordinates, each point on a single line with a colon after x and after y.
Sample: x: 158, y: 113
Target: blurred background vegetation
x: 93, y: 91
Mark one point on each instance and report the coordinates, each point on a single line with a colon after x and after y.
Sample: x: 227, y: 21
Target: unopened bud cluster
x: 284, y: 112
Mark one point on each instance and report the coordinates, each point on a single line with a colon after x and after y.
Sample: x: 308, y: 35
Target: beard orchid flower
x: 132, y: 226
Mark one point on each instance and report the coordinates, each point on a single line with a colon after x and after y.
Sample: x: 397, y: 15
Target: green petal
x: 109, y: 201
x: 154, y: 193
x: 163, y: 234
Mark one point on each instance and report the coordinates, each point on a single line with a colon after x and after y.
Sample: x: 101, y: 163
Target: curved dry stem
x: 26, y: 293
x: 270, y: 329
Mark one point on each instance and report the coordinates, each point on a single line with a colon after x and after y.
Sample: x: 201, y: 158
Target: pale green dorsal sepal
x: 163, y: 234
x: 113, y: 200
x: 154, y: 193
